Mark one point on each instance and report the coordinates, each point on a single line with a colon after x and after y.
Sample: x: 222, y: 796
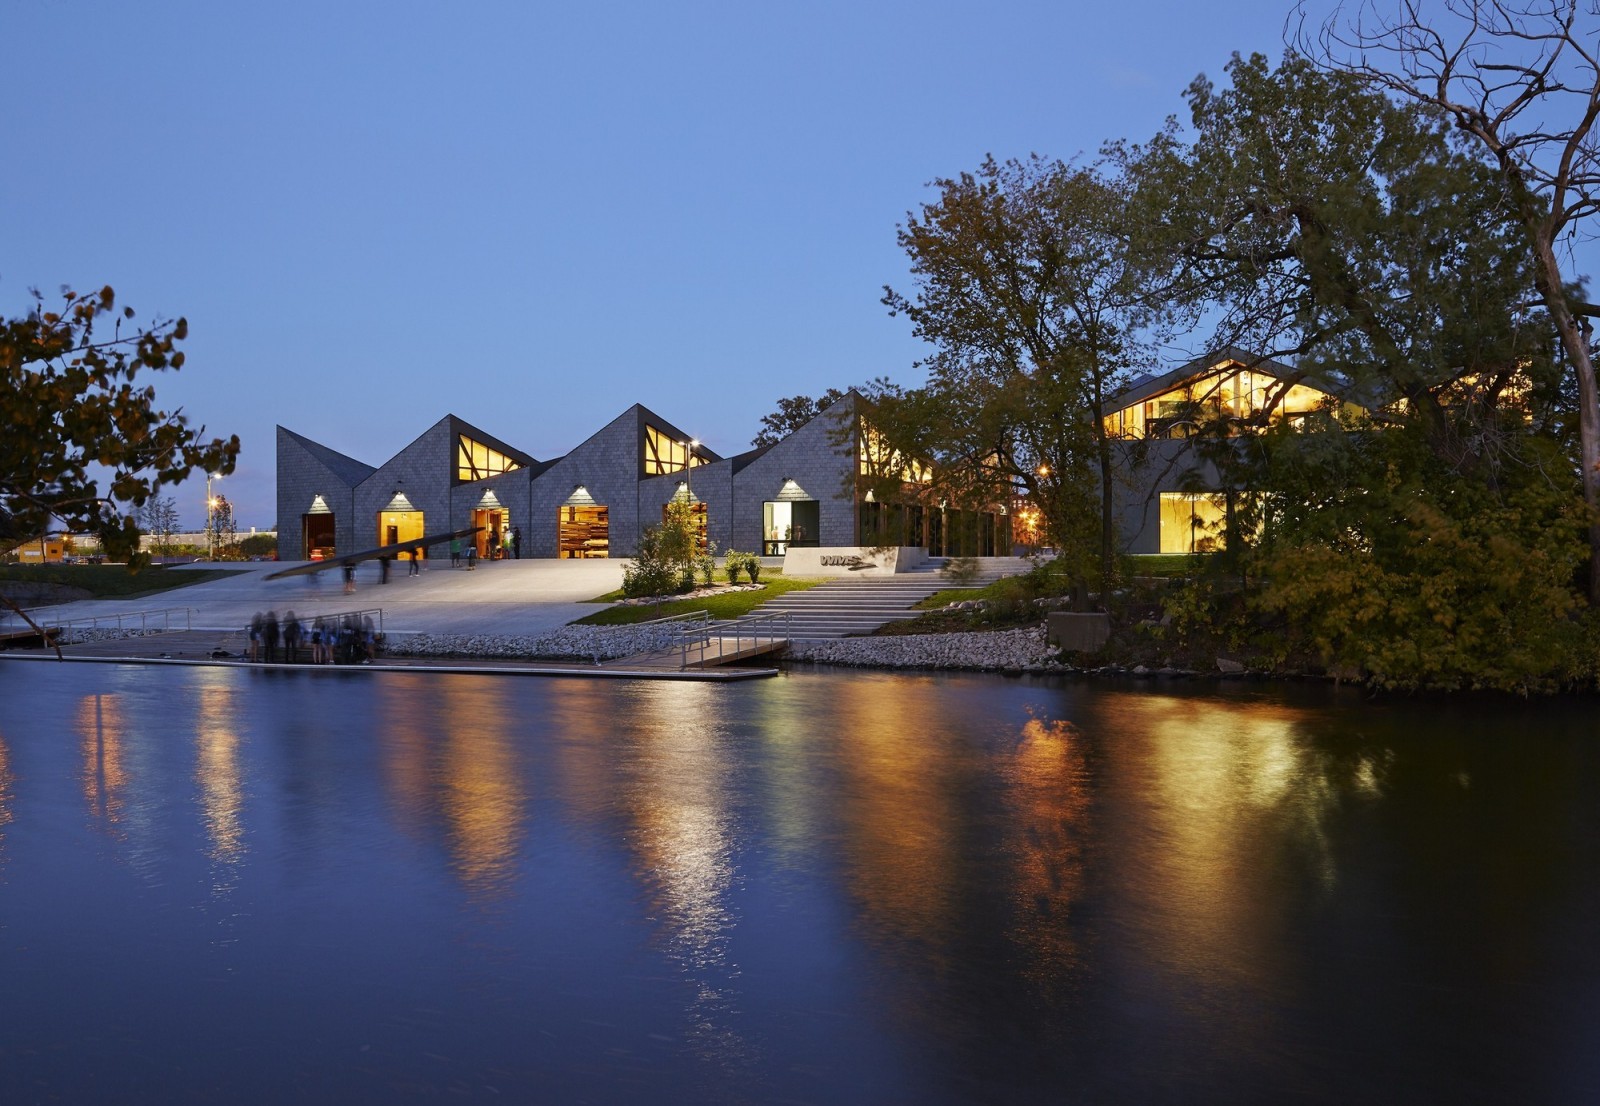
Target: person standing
x: 412, y: 553
x: 349, y: 577
x: 516, y: 542
x: 269, y: 631
x: 291, y: 638
x: 455, y: 552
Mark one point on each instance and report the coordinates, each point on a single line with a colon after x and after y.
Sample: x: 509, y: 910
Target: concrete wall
x: 1145, y: 469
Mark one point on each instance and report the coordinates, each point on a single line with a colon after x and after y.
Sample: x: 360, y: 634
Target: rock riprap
x: 1007, y: 650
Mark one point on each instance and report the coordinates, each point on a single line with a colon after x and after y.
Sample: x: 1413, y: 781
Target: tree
x: 1032, y: 289
x: 222, y: 531
x: 85, y: 444
x: 258, y: 545
x: 792, y: 414
x: 1521, y: 81
x: 159, y: 519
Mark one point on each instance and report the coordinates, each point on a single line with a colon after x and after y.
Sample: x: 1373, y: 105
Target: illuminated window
x: 474, y: 460
x: 879, y: 459
x: 664, y: 454
x: 1232, y: 392
x: 1190, y: 523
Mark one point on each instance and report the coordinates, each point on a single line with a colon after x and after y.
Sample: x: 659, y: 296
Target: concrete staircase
x: 849, y: 606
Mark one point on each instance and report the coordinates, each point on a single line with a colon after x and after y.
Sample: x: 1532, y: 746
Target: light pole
x: 688, y: 471
x: 211, y: 520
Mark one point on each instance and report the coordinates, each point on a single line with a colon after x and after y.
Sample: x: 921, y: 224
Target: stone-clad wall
x: 813, y: 458
x: 607, y: 464
x: 710, y: 483
x: 301, y: 478
x: 423, y: 471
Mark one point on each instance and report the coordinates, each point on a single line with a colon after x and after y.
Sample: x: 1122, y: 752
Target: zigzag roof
x: 347, y: 469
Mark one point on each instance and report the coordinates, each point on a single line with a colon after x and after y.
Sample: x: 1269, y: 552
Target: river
x: 224, y: 886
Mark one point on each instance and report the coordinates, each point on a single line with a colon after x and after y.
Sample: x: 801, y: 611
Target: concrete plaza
x: 500, y: 597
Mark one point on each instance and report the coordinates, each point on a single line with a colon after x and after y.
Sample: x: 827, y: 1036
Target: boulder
x: 1078, y: 631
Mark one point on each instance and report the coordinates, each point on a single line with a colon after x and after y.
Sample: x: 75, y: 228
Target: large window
x: 878, y: 459
x: 1191, y: 523
x: 785, y: 523
x: 474, y: 461
x: 1233, y: 393
x: 664, y: 454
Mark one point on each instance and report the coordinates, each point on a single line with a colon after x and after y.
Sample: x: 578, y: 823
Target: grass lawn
x: 111, y: 581
x: 1164, y: 564
x: 732, y: 604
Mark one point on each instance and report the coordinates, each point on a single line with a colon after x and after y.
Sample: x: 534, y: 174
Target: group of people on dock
x: 334, y: 639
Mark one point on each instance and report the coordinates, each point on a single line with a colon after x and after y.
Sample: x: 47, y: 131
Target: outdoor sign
x: 851, y: 560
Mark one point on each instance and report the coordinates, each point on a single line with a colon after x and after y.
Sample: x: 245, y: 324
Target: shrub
x: 735, y: 564
x: 646, y: 578
x: 961, y: 570
x: 753, y: 567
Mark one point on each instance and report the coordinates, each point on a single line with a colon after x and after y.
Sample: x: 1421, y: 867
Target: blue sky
x: 531, y: 215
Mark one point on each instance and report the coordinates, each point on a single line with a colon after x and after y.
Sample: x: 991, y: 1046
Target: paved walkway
x: 502, y: 597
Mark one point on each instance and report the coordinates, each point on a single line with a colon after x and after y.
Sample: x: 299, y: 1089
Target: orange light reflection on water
x: 449, y: 757
x: 105, y: 778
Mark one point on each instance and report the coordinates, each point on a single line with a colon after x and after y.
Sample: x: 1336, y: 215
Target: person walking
x: 349, y: 577
x: 516, y: 542
x: 291, y: 638
x: 455, y: 552
x: 472, y: 556
x: 412, y: 553
x: 269, y: 632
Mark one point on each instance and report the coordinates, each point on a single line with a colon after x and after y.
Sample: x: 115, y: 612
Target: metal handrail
x: 750, y: 626
x: 146, y: 618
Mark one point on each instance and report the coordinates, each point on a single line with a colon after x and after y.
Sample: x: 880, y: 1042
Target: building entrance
x: 317, y: 540
x: 789, y: 522
x: 491, y: 539
x: 398, y: 526
x: 583, y: 532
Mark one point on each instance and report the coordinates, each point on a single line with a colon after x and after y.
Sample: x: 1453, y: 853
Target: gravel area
x: 583, y: 642
x: 1006, y: 650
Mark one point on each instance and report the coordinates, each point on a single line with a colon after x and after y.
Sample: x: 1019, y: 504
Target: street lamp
x: 688, y: 471
x: 211, y: 518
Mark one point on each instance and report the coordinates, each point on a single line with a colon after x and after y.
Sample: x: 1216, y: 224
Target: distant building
x: 810, y: 489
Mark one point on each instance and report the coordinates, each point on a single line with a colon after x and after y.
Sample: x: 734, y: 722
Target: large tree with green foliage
x: 1520, y: 81
x: 85, y: 445
x: 1432, y: 541
x: 1029, y: 286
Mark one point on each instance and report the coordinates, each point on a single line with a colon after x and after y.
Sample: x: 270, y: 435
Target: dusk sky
x: 532, y: 216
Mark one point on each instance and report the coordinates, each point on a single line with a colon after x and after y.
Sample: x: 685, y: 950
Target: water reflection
x: 7, y: 782
x: 217, y: 772
x: 1048, y: 829
x: 844, y: 888
x: 450, y: 759
x: 679, y: 801
x: 902, y: 768
x: 105, y: 777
